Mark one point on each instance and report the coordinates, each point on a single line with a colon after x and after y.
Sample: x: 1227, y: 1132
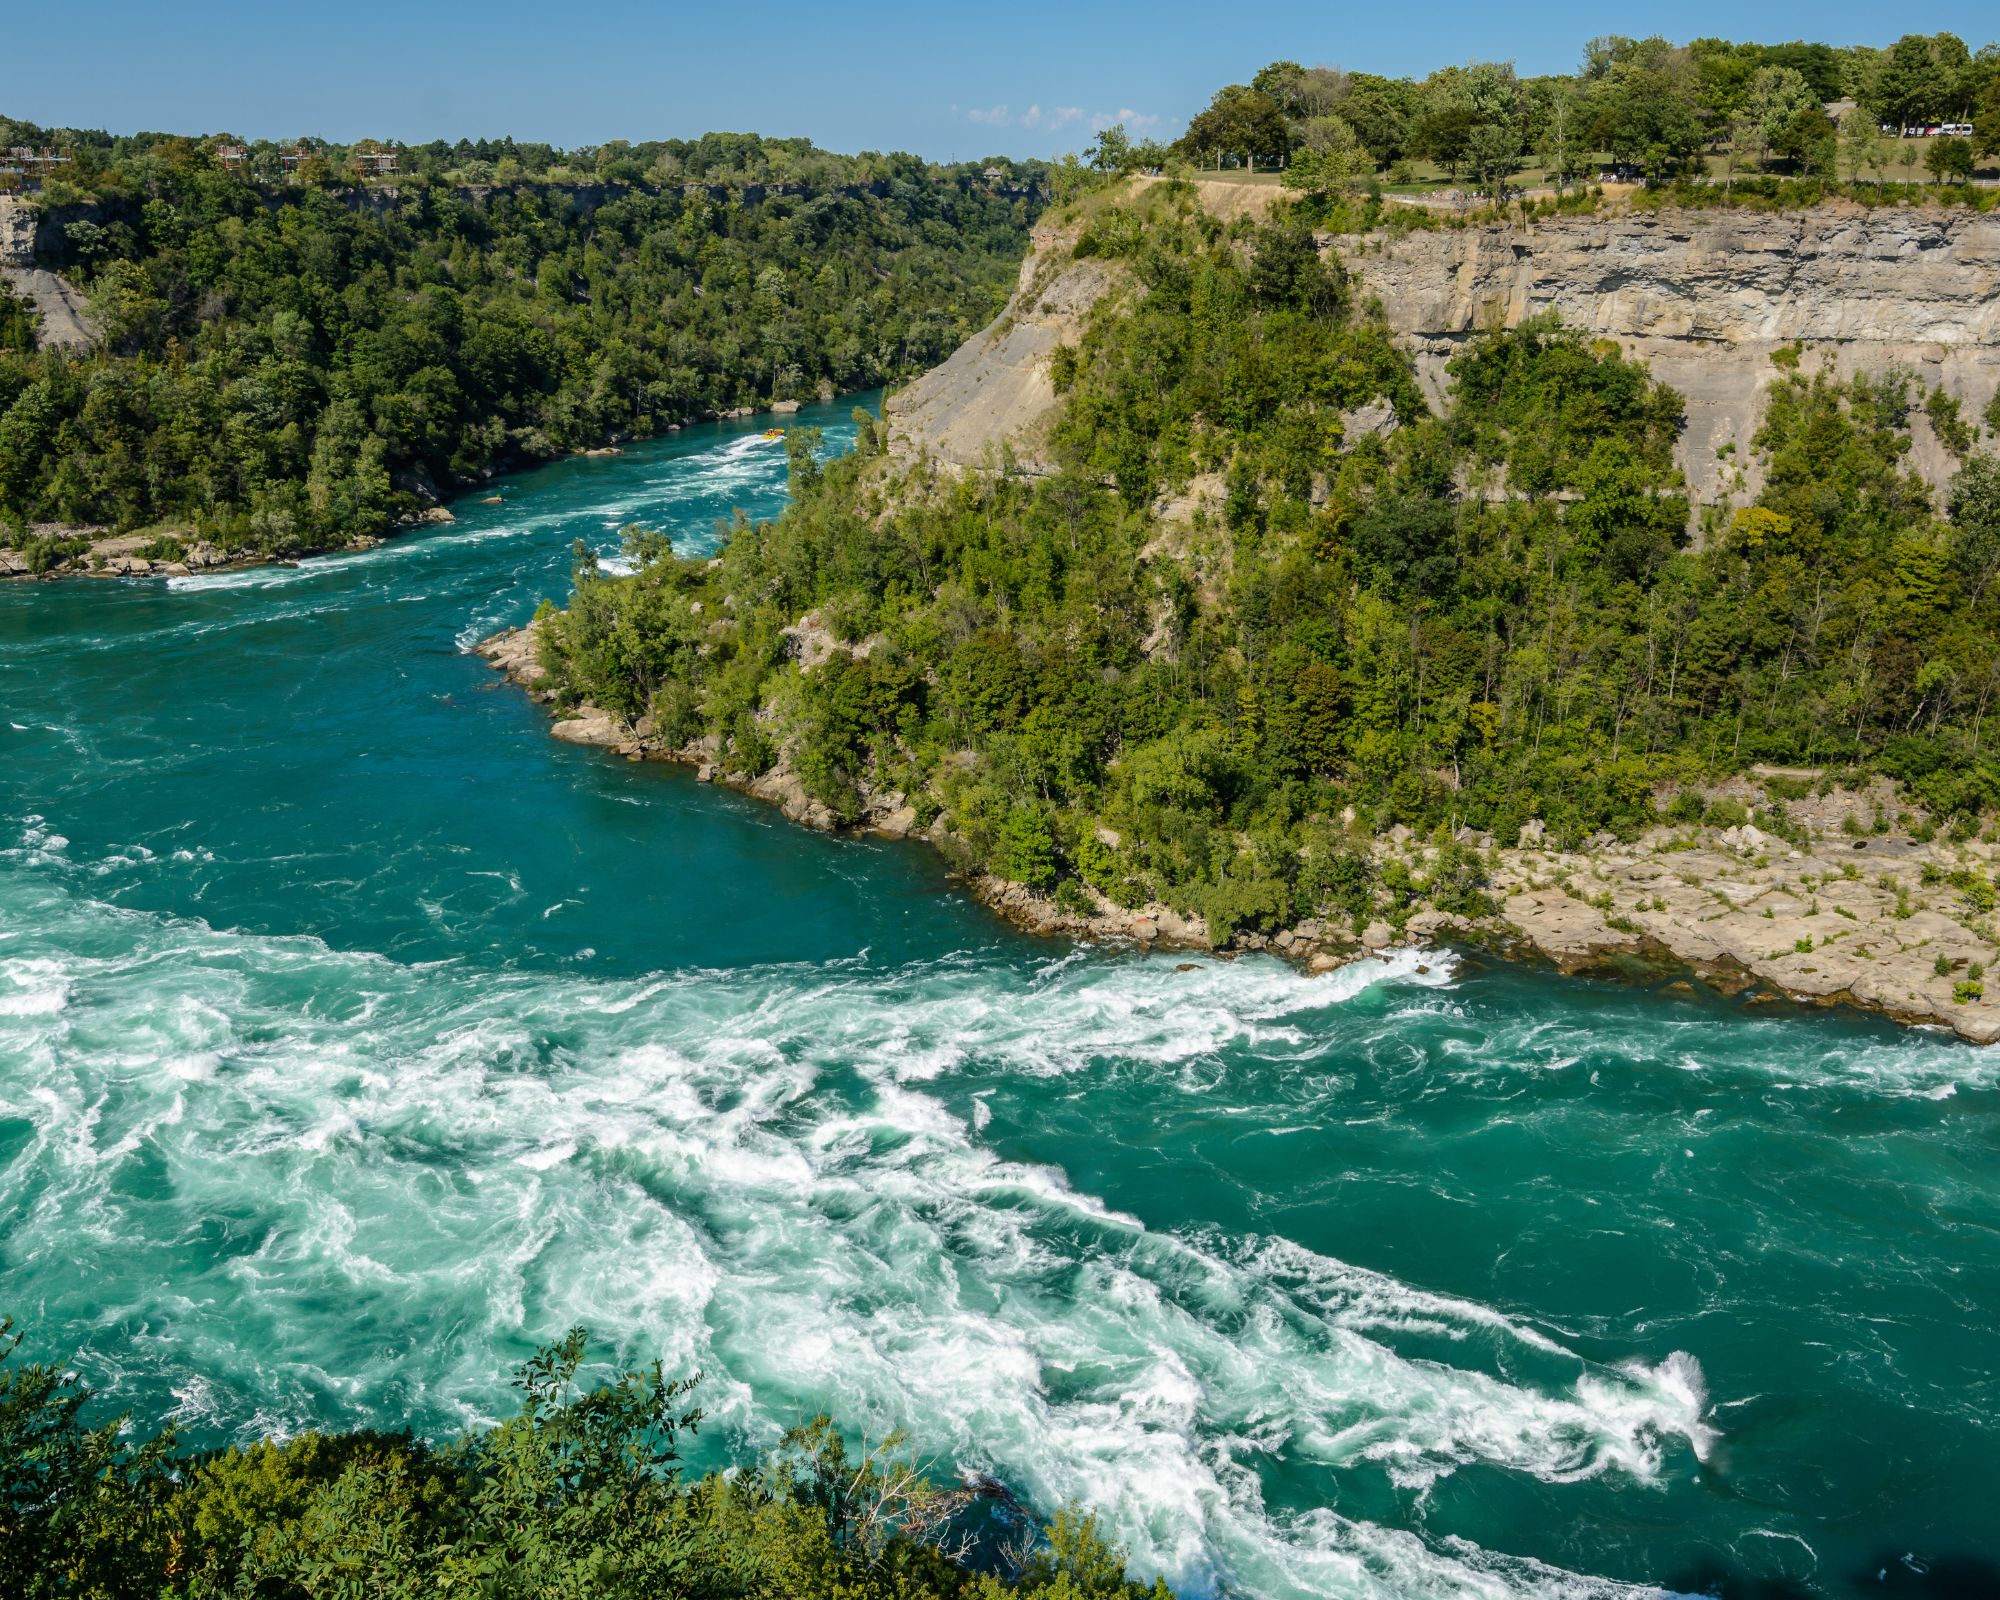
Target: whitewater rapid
x: 356, y: 1038
x: 392, y: 1173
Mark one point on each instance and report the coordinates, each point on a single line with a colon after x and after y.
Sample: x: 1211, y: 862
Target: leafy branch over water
x: 580, y: 1494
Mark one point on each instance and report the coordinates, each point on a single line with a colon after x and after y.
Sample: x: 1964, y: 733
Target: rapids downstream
x: 355, y: 1037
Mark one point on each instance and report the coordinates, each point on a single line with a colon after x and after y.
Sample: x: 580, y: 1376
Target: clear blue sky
x: 943, y: 79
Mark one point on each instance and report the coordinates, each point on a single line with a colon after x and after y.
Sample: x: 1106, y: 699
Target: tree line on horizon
x: 108, y: 164
x: 1654, y: 109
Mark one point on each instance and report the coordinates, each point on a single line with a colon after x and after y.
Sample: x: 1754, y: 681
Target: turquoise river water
x: 355, y: 1036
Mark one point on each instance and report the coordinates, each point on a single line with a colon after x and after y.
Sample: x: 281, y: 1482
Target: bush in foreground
x: 578, y: 1496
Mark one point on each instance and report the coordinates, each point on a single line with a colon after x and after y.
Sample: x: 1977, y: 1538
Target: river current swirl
x: 355, y: 1037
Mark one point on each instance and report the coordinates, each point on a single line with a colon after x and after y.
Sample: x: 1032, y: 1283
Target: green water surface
x: 355, y: 1037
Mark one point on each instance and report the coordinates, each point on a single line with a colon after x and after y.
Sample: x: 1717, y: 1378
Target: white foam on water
x: 33, y: 987
x: 417, y: 1172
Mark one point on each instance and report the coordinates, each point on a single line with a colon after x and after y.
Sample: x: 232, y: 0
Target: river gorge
x: 355, y: 1037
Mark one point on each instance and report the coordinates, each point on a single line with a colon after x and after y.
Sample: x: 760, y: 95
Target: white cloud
x: 1053, y: 119
x: 1135, y: 121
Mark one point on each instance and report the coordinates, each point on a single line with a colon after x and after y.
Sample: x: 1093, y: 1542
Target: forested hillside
x: 1101, y: 681
x: 291, y: 368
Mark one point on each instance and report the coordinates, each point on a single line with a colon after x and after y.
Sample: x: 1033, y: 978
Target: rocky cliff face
x: 995, y: 388
x: 1705, y: 297
x: 17, y: 232
x: 56, y: 301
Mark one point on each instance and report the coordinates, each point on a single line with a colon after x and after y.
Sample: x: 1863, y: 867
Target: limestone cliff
x: 996, y: 387
x: 17, y: 232
x: 1705, y: 297
x: 56, y: 301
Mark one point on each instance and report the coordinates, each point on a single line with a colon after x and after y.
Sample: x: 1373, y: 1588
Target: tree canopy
x: 1264, y: 588
x: 290, y: 368
x: 1647, y: 104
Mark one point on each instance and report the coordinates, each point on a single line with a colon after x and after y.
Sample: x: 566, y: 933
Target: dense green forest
x: 581, y: 1495
x: 104, y: 164
x: 291, y: 368
x: 1476, y: 619
x: 1707, y: 109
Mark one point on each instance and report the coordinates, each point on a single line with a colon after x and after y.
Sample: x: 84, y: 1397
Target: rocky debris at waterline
x: 1153, y: 924
x: 118, y: 555
x: 1849, y: 920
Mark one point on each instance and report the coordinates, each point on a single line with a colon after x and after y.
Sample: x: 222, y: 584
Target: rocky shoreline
x: 1855, y: 906
x: 122, y: 555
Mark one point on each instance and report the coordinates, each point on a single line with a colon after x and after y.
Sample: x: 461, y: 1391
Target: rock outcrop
x: 996, y: 388
x: 1874, y: 921
x: 56, y: 301
x: 18, y: 221
x: 1707, y: 296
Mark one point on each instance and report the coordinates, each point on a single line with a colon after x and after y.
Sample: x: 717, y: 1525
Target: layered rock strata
x: 1706, y: 298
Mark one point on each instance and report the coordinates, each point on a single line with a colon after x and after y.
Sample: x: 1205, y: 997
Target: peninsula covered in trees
x: 1258, y: 603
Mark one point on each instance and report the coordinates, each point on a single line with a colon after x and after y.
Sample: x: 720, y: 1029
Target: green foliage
x: 1480, y: 618
x: 1234, y: 905
x: 1562, y: 414
x: 578, y: 1495
x: 1028, y: 849
x: 1981, y: 898
x: 44, y: 552
x: 1948, y: 422
x: 17, y: 322
x: 1223, y: 362
x: 296, y: 369
x: 1457, y: 882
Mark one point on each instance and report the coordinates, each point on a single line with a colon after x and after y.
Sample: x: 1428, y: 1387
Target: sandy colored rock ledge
x: 1855, y: 917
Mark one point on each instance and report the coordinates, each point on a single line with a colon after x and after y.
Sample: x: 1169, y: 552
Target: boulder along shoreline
x: 1851, y: 908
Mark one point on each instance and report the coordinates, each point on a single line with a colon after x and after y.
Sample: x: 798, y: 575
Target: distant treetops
x: 97, y: 162
x: 1647, y: 106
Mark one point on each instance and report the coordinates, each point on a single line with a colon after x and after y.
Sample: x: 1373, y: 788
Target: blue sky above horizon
x: 944, y: 81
